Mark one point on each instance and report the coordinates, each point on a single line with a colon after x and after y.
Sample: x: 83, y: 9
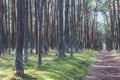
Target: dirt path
x: 107, y: 67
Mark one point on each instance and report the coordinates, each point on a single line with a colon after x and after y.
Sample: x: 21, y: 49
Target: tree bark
x: 26, y: 33
x: 20, y: 37
x: 1, y: 28
x: 61, y: 41
x: 39, y: 35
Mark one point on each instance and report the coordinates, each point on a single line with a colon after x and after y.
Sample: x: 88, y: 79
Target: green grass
x: 52, y: 68
x: 116, y: 51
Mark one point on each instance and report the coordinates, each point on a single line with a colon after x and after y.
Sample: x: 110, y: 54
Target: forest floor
x: 106, y: 67
x: 52, y: 67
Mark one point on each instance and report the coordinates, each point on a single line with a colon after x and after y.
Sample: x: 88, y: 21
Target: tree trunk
x: 72, y: 27
x: 1, y: 27
x: 31, y: 26
x: 61, y: 41
x: 46, y: 21
x: 20, y: 37
x: 26, y: 33
x: 9, y: 38
x: 66, y: 25
x: 13, y: 24
x: 39, y: 35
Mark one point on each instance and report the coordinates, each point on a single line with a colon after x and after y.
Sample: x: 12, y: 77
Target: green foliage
x: 116, y: 51
x: 52, y: 69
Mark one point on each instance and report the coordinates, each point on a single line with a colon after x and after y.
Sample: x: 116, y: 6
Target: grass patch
x: 116, y: 51
x: 52, y: 69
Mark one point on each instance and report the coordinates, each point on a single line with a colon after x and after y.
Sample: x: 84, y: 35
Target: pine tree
x: 20, y: 37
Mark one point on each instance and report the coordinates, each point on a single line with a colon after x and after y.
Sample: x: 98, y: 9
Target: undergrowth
x: 52, y: 67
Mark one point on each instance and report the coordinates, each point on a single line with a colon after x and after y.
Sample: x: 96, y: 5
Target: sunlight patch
x: 1, y: 72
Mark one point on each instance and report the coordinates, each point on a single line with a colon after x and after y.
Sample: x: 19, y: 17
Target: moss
x: 53, y: 68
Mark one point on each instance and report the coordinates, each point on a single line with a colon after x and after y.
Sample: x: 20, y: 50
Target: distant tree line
x: 113, y: 30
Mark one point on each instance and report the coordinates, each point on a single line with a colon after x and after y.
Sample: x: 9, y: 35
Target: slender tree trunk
x: 111, y: 22
x: 46, y: 21
x: 20, y: 37
x: 26, y: 33
x: 1, y: 27
x: 39, y: 35
x: 13, y: 24
x: 5, y: 25
x: 9, y: 38
x: 36, y: 21
x: 66, y: 25
x: 31, y: 27
x: 61, y: 41
x: 72, y: 27
x: 118, y: 7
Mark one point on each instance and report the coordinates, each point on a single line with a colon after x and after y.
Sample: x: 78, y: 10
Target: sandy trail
x: 106, y: 67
